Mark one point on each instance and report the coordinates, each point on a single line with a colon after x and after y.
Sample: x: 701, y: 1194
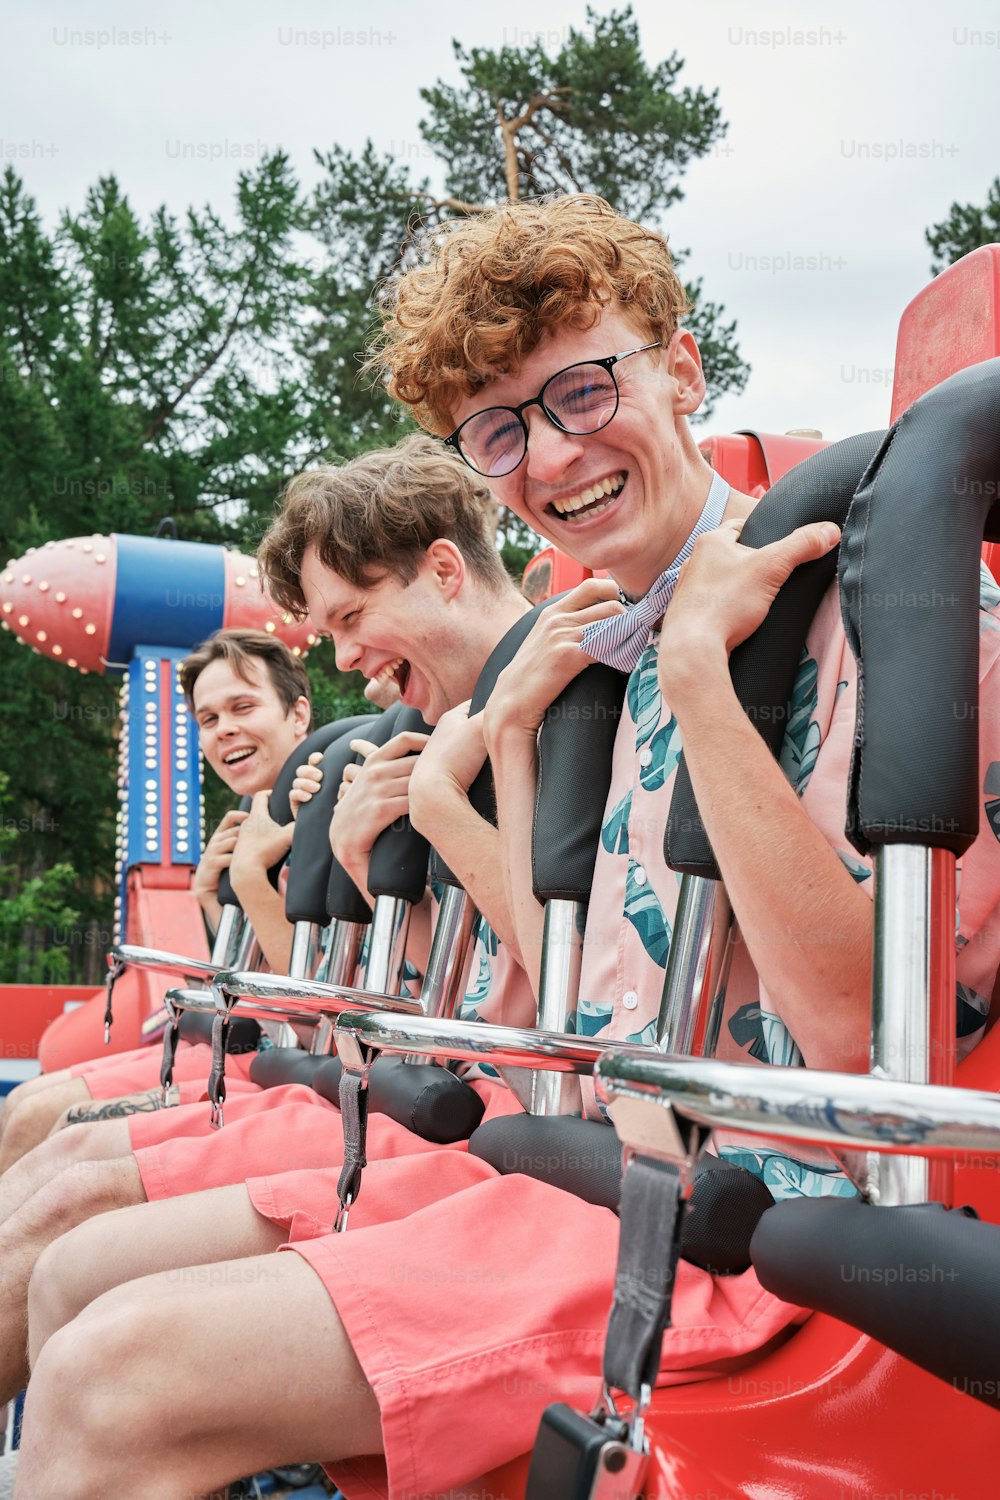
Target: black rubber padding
x: 278, y: 805
x: 910, y: 567
x: 426, y: 1098
x: 196, y: 1026
x: 584, y: 1157
x: 398, y: 863
x: 481, y: 793
x: 343, y: 899
x: 224, y: 894
x: 920, y: 1280
x: 575, y: 748
x: 312, y: 858
x: 279, y: 1065
x: 764, y: 667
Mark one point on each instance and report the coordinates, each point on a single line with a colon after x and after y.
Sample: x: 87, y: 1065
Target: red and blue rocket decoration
x: 134, y: 607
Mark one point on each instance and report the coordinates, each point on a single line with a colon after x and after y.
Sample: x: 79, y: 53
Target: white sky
x: 852, y: 127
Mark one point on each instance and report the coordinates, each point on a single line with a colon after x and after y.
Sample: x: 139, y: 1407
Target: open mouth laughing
x: 239, y: 755
x: 590, y: 502
x: 397, y: 670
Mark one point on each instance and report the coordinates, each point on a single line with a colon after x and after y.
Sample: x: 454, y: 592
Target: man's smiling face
x: 246, y: 733
x: 408, y: 633
x: 607, y: 498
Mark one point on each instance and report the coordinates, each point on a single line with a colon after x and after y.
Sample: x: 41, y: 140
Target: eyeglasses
x: 579, y: 400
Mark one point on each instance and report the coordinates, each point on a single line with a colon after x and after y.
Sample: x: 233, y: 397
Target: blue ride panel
x: 170, y: 592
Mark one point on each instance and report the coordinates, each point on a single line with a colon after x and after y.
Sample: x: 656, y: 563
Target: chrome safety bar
x: 698, y: 963
x: 558, y: 992
x: 387, y: 943
x: 850, y: 1111
x: 275, y: 997
x: 913, y: 1001
x: 472, y: 1041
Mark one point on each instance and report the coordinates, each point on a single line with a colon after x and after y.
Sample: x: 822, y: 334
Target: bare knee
x: 57, y: 1289
x: 29, y: 1089
x: 93, y: 1394
x: 82, y: 1190
x: 33, y: 1117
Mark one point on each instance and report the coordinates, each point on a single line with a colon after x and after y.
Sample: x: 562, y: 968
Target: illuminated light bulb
x: 296, y: 650
x: 41, y: 635
x: 60, y: 597
x: 8, y: 578
x: 71, y: 661
x: 310, y: 640
x: 25, y: 577
x: 269, y: 627
x: 100, y: 557
x: 90, y: 630
x: 78, y: 614
x: 43, y: 587
x: 22, y: 619
x: 7, y: 607
x: 57, y: 651
x: 88, y: 546
x: 240, y: 581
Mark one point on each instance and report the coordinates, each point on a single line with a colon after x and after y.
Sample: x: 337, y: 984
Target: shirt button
x: 640, y: 875
x: 630, y: 999
x: 645, y: 757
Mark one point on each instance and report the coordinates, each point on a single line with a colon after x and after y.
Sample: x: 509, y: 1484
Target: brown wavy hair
x: 376, y: 516
x: 476, y: 295
x: 238, y: 648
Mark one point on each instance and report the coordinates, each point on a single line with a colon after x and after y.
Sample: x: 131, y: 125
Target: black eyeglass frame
x: 453, y: 440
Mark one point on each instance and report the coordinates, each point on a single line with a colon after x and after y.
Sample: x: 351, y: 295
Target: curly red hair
x: 476, y: 295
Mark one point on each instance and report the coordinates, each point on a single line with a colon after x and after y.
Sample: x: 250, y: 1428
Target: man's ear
x: 684, y: 364
x: 446, y: 566
x: 301, y: 716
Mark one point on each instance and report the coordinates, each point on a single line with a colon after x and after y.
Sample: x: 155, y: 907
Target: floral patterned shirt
x: 624, y: 959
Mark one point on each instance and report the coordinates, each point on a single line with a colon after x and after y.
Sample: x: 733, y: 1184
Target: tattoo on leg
x: 116, y: 1109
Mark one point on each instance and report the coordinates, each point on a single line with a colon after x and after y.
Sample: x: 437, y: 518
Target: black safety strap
x: 651, y: 1215
x: 170, y: 1039
x: 114, y: 973
x: 354, y: 1117
x: 217, y: 1077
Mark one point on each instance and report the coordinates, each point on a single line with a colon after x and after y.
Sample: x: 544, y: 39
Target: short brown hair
x: 377, y: 515
x: 486, y: 289
x: 238, y: 648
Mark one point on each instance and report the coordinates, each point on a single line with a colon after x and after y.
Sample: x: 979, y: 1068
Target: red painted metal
x: 160, y: 915
x: 951, y: 324
x: 27, y: 1009
x: 59, y: 599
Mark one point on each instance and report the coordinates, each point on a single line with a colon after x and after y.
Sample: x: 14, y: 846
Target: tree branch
x: 167, y: 411
x: 510, y: 128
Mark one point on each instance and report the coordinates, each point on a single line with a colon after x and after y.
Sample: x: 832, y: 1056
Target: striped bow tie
x: 620, y: 641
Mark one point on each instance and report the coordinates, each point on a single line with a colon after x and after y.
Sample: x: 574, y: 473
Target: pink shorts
x: 289, y: 1138
x: 492, y: 1304
x: 133, y: 1072
x: 270, y: 1131
x: 305, y: 1202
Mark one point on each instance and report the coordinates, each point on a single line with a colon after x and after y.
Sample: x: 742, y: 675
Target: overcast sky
x: 852, y: 127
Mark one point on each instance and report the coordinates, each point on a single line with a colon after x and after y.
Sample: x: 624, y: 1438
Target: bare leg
x: 28, y: 1089
x: 178, y: 1235
x: 242, y: 1389
x: 76, y: 1194
x: 93, y: 1111
x: 29, y: 1120
x: 104, y: 1142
